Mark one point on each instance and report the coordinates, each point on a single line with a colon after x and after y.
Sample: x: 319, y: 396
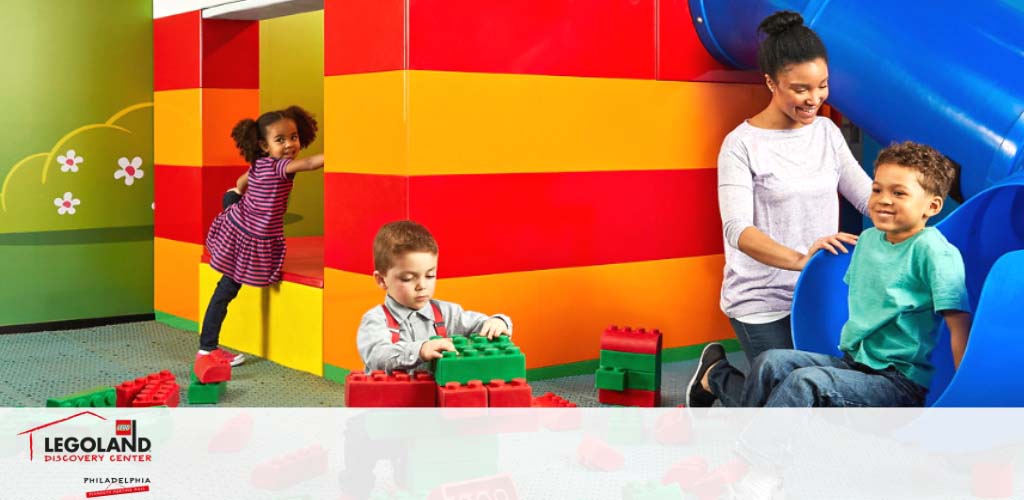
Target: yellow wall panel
x: 463, y: 123
x: 176, y: 277
x: 364, y: 123
x: 283, y: 323
x: 559, y: 314
x: 177, y: 128
x: 222, y: 109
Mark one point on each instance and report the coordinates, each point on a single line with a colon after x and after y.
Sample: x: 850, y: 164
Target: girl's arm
x: 242, y: 183
x: 314, y: 162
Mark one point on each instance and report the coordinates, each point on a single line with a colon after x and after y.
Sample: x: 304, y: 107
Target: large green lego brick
x: 477, y: 358
x: 631, y: 361
x: 610, y: 377
x: 204, y: 394
x: 636, y: 379
x: 97, y: 397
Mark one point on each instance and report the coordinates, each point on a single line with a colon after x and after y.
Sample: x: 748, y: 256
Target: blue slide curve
x: 942, y: 72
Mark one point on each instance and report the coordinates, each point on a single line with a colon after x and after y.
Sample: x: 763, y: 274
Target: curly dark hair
x: 399, y: 238
x: 787, y: 41
x: 248, y: 132
x: 936, y: 173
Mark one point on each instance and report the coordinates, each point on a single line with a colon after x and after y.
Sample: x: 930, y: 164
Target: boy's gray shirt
x: 415, y: 327
x: 784, y: 183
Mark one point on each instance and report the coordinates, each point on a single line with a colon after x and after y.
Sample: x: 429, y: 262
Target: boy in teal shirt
x: 902, y: 277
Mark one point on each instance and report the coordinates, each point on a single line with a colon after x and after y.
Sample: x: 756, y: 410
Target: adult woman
x: 778, y: 174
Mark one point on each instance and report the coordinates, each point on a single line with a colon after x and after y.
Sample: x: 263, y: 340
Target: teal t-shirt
x: 896, y: 293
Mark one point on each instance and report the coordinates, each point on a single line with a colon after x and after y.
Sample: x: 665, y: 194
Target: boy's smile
x: 411, y: 280
x: 899, y: 205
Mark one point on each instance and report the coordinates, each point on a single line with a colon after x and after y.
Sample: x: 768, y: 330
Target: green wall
x: 78, y: 75
x: 292, y: 72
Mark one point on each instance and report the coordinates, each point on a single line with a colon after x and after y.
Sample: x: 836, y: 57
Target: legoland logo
x: 124, y: 427
x: 124, y: 446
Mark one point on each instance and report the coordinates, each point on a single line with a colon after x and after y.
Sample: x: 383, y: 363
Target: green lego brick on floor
x: 631, y: 360
x: 636, y: 379
x: 204, y: 394
x: 610, y: 377
x: 477, y: 358
x: 97, y: 397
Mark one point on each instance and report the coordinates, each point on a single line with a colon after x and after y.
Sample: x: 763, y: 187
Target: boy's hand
x: 433, y: 349
x: 494, y: 327
x: 833, y: 243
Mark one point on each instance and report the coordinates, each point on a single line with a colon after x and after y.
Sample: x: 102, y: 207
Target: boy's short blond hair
x: 398, y: 238
x: 936, y: 173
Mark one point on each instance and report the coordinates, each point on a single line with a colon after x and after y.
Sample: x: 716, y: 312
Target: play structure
x: 544, y: 144
x: 909, y: 81
x: 597, y: 127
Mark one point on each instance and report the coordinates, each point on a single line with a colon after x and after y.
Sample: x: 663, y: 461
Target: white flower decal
x: 129, y: 170
x: 69, y: 161
x: 66, y: 205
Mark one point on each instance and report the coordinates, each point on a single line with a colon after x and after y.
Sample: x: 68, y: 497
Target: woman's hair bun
x: 780, y: 22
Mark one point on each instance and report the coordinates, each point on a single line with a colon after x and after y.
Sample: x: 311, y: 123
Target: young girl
x: 246, y: 241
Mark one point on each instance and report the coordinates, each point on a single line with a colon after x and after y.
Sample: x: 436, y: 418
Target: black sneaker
x: 696, y: 396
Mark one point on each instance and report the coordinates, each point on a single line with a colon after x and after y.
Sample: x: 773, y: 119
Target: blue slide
x: 949, y: 74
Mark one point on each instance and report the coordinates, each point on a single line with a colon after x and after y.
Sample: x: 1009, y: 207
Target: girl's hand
x: 493, y: 328
x: 433, y: 349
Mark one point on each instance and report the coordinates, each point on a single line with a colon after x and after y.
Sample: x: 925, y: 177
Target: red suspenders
x: 393, y: 326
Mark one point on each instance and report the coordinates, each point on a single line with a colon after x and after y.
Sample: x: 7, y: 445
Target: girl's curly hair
x: 248, y: 132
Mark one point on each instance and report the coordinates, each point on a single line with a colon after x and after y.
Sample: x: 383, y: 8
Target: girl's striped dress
x: 246, y: 240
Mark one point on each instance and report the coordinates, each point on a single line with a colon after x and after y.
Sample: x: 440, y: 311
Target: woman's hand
x: 832, y: 243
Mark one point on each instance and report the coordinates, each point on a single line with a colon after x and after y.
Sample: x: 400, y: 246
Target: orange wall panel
x: 222, y: 109
x: 176, y: 277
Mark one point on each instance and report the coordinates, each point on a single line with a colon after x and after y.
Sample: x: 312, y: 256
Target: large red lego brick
x: 626, y: 339
x: 399, y: 389
x: 158, y: 393
x: 212, y: 369
x: 513, y: 394
x: 176, y: 51
x: 129, y: 389
x: 455, y: 395
x: 630, y: 397
x: 552, y: 400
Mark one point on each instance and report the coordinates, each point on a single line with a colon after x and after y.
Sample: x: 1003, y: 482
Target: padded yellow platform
x: 283, y: 323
